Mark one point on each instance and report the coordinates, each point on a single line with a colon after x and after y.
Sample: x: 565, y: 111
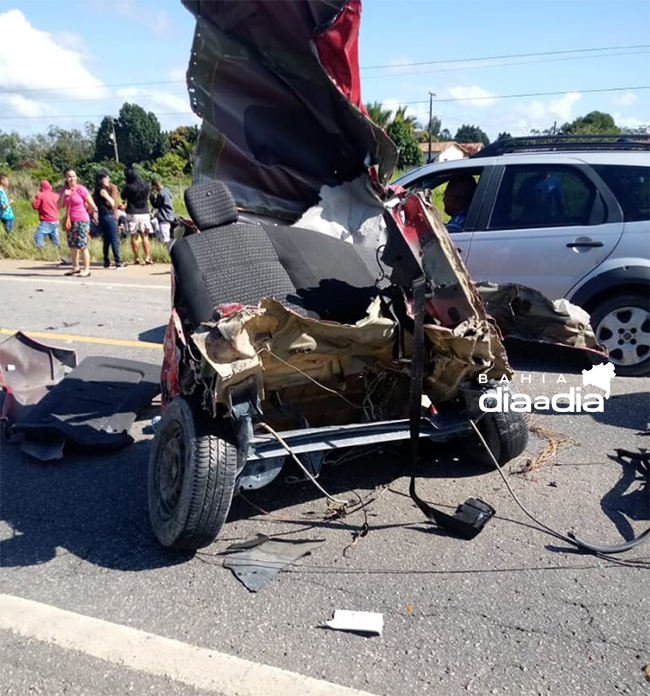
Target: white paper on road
x: 357, y: 621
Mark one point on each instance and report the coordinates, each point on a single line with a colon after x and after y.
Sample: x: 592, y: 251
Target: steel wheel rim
x: 170, y: 470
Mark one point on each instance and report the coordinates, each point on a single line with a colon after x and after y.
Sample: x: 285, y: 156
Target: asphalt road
x: 91, y: 604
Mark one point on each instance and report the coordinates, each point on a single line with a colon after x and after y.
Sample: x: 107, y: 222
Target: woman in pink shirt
x: 77, y: 201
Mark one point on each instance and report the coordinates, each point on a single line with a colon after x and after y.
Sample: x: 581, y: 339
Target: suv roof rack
x: 609, y: 141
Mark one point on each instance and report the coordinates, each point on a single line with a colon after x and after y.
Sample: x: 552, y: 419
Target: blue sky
x: 65, y: 63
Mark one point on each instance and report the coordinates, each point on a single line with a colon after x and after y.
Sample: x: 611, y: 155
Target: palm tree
x: 380, y: 116
x: 410, y: 122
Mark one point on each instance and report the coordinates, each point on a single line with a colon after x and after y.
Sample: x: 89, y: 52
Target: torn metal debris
x: 256, y: 562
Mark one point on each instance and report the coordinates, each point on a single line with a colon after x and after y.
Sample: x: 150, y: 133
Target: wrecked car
x: 314, y: 305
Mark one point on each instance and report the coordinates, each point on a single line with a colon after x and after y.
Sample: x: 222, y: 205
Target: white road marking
x: 147, y: 652
x: 77, y: 281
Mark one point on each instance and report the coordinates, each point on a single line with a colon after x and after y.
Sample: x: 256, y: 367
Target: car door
x: 548, y: 227
x: 434, y: 184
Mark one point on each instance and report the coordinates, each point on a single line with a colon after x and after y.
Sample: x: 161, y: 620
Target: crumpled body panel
x: 277, y: 86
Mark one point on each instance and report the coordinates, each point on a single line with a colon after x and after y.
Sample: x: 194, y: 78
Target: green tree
x: 12, y: 149
x: 638, y: 130
x: 182, y: 142
x: 42, y: 169
x: 410, y: 122
x: 104, y: 146
x: 115, y: 169
x: 445, y: 135
x: 69, y: 148
x: 139, y: 138
x: 410, y: 154
x: 169, y: 166
x: 471, y: 134
x: 36, y: 147
x: 378, y: 114
x: 504, y: 136
x: 594, y: 122
x: 434, y: 127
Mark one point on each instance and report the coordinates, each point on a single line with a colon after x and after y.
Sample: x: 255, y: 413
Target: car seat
x: 231, y: 261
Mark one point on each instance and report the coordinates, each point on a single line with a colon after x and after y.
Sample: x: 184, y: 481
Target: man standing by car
x: 457, y: 198
x: 161, y: 200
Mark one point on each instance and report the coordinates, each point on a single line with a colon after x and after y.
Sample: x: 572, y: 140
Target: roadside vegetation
x: 134, y: 138
x: 20, y: 243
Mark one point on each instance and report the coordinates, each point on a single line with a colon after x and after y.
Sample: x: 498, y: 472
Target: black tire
x: 191, y: 480
x: 506, y: 434
x: 622, y: 325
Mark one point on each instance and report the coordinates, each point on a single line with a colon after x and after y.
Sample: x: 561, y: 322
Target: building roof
x: 438, y: 146
x: 471, y: 148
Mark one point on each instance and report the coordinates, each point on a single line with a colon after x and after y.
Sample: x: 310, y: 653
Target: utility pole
x: 431, y: 96
x: 114, y: 139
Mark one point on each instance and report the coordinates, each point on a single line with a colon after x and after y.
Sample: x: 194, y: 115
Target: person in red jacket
x: 48, y: 214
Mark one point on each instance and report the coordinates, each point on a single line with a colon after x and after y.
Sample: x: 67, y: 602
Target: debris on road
x: 257, y: 561
x: 49, y: 400
x: 28, y: 369
x: 363, y: 622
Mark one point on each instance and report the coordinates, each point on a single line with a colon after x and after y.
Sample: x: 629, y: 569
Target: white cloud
x: 563, y: 107
x: 157, y: 20
x: 178, y: 73
x: 391, y: 105
x: 624, y: 99
x: 628, y: 121
x: 522, y: 117
x: 155, y: 100
x: 171, y: 110
x: 24, y: 106
x: 62, y: 76
x: 472, y: 95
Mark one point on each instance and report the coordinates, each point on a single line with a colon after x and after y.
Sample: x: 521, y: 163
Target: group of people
x: 102, y: 209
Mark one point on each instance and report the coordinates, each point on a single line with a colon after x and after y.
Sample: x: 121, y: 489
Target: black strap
x: 415, y: 401
x: 473, y: 514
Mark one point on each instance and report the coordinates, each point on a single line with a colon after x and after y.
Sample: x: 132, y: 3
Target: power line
x: 456, y: 99
x: 58, y: 117
x: 533, y: 94
x: 371, y: 67
x: 384, y: 76
x: 98, y: 87
x: 510, y: 55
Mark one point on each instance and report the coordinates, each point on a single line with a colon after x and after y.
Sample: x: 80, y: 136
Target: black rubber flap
x: 96, y: 404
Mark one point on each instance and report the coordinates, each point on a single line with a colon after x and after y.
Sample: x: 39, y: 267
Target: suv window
x: 437, y: 183
x: 631, y: 186
x: 545, y: 196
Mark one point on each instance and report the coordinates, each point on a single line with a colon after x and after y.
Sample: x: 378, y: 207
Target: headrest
x: 210, y: 204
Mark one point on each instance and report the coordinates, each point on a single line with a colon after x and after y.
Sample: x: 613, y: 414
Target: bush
x: 22, y: 185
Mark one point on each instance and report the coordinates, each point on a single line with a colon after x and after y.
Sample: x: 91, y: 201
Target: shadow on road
x: 94, y: 505
x: 91, y: 505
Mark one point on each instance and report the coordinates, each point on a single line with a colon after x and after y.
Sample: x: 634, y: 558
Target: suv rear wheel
x: 622, y: 325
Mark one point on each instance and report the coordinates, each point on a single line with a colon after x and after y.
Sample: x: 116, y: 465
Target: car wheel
x: 191, y: 480
x: 622, y: 325
x: 506, y: 434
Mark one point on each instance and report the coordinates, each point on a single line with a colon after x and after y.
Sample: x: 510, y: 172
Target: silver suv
x: 569, y: 217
